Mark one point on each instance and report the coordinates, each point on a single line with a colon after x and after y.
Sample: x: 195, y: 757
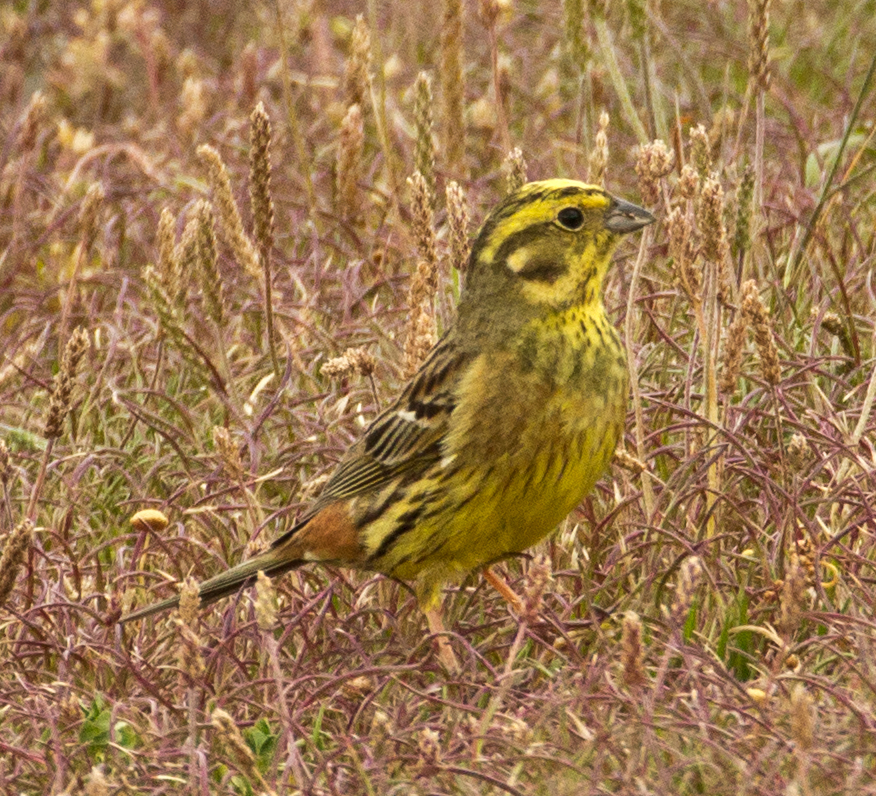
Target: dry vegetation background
x: 704, y: 626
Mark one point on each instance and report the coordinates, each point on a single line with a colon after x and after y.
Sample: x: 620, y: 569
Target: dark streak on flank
x: 407, y: 522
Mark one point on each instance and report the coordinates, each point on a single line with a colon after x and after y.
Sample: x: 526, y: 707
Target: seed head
x: 349, y: 167
x: 759, y: 318
x: 516, y: 167
x: 231, y: 225
x: 700, y: 151
x: 260, y: 182
x: 598, y: 159
x: 632, y: 667
x: 421, y: 211
x: 759, y: 43
x: 357, y: 77
x: 457, y: 216
x: 14, y: 549
x: 65, y: 381
x: 424, y: 153
x: 655, y: 161
x: 265, y: 603
x: 88, y: 215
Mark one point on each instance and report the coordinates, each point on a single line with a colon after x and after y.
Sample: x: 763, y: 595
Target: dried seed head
x: 457, y: 217
x: 34, y: 117
x: 731, y: 361
x: 5, y: 464
x: 700, y: 151
x: 716, y: 246
x: 688, y: 182
x: 186, y: 251
x: 15, y: 547
x: 791, y: 598
x: 357, y: 687
x: 357, y: 78
x: 189, y: 601
x: 710, y: 220
x: 598, y: 159
x: 65, y: 381
x: 362, y: 361
x: 538, y: 578
x: 654, y: 162
x: 352, y: 360
x: 337, y: 367
x: 228, y: 451
x: 194, y: 102
x: 88, y: 215
x: 689, y: 575
x: 629, y: 462
x: 159, y: 300
x: 420, y: 335
x: 831, y: 321
x: 759, y: 318
x: 169, y: 270
x: 683, y: 250
x: 516, y: 167
x: 424, y: 152
x: 798, y: 451
x: 261, y: 202
x: 632, y: 666
x: 744, y: 197
x: 452, y: 87
x: 231, y: 225
x: 802, y: 718
x: 265, y: 602
x: 231, y: 739
x: 421, y: 212
x: 349, y: 166
x: 759, y: 43
x: 206, y: 260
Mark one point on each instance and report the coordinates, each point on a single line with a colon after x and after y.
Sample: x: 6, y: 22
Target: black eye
x: 570, y: 217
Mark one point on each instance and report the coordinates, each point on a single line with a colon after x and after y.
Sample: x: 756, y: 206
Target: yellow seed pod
x: 757, y: 695
x: 149, y: 520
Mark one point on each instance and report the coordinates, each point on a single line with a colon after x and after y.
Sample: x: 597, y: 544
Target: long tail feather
x: 225, y: 583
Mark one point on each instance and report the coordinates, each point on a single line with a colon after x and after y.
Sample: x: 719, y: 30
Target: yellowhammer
x: 508, y: 423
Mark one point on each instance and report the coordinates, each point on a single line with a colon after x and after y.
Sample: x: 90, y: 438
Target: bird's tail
x: 225, y: 583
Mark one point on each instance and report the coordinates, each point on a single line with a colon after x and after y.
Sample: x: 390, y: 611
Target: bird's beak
x: 624, y: 217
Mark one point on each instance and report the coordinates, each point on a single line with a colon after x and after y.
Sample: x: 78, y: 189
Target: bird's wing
x: 406, y: 436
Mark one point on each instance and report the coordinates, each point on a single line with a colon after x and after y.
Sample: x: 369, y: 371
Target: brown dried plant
x: 231, y: 225
x: 458, y: 220
x: 598, y: 158
x: 424, y: 144
x: 15, y: 547
x: 349, y: 167
x: 357, y: 76
x: 515, y: 166
x: 452, y: 88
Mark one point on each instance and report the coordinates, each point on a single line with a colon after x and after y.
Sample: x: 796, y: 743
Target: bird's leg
x: 498, y: 583
x: 435, y: 620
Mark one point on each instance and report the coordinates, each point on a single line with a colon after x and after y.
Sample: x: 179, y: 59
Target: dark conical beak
x: 624, y: 217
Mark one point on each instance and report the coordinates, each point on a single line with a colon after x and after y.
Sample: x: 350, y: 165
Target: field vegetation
x: 228, y: 231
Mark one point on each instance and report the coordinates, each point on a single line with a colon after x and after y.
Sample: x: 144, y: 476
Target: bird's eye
x: 570, y: 218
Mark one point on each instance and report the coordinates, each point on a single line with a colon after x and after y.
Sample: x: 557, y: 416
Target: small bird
x: 507, y: 424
